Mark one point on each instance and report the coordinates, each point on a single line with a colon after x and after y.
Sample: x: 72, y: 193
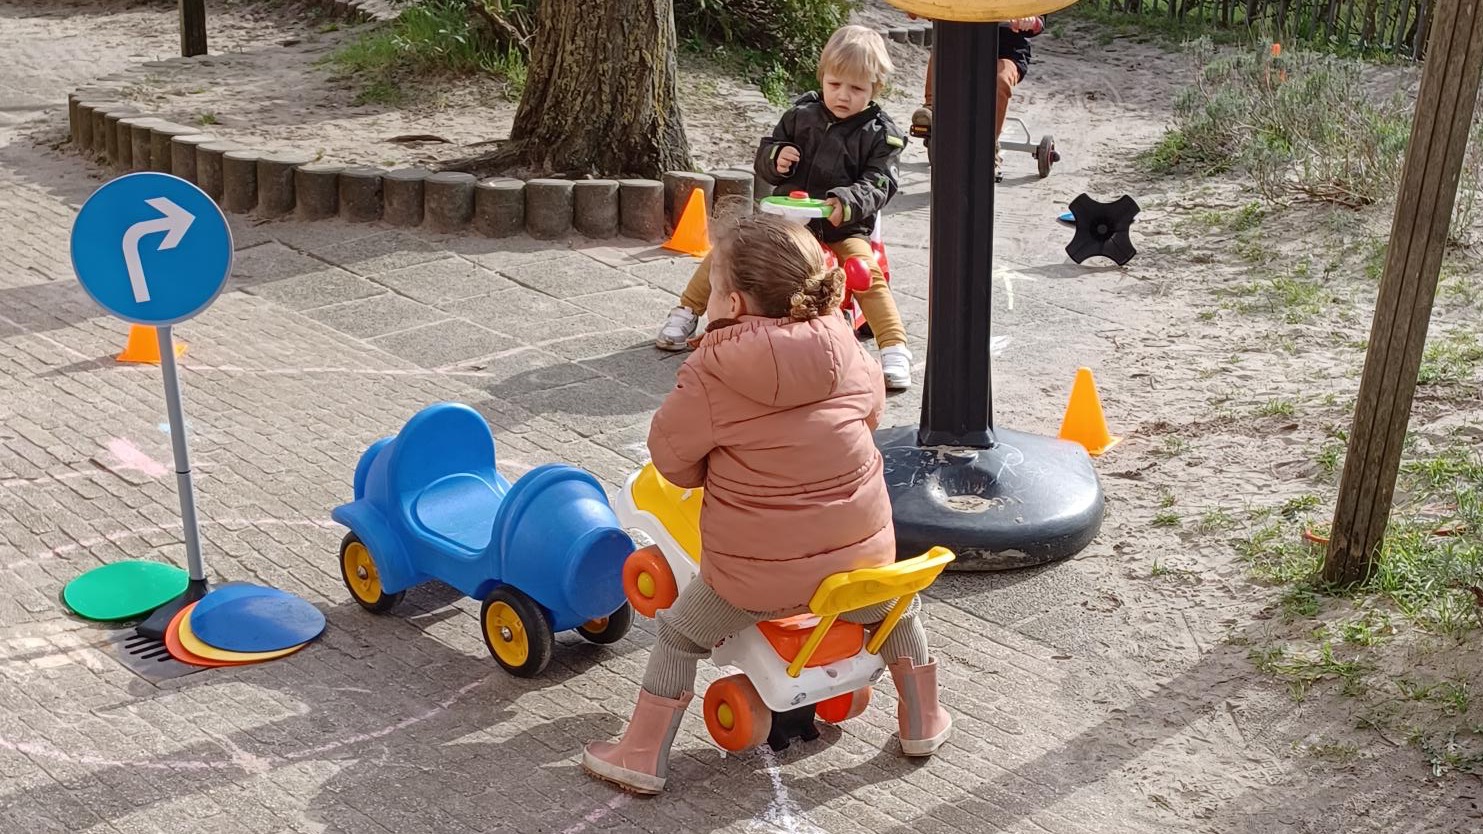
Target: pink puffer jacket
x: 774, y: 419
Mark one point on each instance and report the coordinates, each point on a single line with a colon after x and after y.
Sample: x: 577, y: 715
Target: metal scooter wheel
x: 517, y: 632
x: 1045, y: 155
x: 735, y: 714
x: 358, y: 570
x: 609, y: 629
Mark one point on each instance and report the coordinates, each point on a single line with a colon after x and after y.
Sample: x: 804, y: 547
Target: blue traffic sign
x: 151, y: 248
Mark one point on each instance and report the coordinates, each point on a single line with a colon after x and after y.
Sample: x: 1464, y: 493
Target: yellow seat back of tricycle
x: 862, y: 588
x: 677, y: 508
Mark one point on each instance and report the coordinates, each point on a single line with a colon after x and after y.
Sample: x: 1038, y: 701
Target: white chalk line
x: 782, y: 814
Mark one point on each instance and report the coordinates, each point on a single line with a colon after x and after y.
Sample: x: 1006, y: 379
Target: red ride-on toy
x: 801, y: 208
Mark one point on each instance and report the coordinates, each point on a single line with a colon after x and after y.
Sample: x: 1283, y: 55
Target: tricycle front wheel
x: 609, y: 629
x: 358, y: 570
x: 517, y: 632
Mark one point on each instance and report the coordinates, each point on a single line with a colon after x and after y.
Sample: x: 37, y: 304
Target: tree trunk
x: 599, y: 95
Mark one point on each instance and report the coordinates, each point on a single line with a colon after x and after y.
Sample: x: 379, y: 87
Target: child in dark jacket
x: 1014, y: 63
x: 838, y: 145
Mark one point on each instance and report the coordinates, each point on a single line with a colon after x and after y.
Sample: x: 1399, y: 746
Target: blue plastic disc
x: 1067, y: 217
x: 253, y: 618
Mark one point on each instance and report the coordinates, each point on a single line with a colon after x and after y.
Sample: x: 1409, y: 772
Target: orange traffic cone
x: 1084, y: 422
x: 693, y: 233
x: 144, y: 346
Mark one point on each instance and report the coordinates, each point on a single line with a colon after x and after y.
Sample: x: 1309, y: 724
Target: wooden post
x: 192, y: 27
x: 1418, y: 236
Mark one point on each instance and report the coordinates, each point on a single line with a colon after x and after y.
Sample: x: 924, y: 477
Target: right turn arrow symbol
x: 174, y: 222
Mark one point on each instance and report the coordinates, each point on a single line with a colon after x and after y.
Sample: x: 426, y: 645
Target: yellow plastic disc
x: 195, y: 646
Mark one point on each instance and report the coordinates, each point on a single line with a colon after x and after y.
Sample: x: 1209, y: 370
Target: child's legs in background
x: 877, y: 303
x: 687, y: 632
x: 697, y: 293
x: 1009, y: 77
x: 927, y: 94
x: 908, y: 638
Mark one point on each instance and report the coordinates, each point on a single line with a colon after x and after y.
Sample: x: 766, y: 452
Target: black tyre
x: 517, y: 632
x: 1045, y: 155
x: 358, y: 570
x: 609, y: 629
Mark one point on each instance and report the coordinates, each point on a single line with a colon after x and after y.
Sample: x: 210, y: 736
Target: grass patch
x: 1301, y: 668
x: 1428, y: 578
x: 1276, y: 408
x: 1451, y: 359
x: 437, y: 38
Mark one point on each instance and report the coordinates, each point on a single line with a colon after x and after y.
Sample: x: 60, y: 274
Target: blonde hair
x: 857, y: 52
x: 778, y: 264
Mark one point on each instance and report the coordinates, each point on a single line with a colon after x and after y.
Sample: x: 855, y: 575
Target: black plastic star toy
x: 1102, y: 229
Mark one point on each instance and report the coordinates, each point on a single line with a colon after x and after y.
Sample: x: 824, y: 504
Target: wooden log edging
x: 106, y: 130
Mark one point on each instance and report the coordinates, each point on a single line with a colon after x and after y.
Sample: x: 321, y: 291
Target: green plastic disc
x: 124, y: 590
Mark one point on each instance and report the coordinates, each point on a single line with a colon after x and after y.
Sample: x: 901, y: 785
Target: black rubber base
x: 1026, y: 501
x: 155, y: 625
x: 795, y: 723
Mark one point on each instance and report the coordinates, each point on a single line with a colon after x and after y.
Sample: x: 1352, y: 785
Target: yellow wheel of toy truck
x: 648, y: 582
x: 609, y: 629
x: 842, y: 708
x: 358, y: 570
x: 517, y: 632
x: 735, y: 714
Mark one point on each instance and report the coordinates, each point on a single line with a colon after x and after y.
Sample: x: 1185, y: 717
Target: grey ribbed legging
x: 700, y: 618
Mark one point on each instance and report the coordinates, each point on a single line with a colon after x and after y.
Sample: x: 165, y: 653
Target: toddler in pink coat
x: 772, y: 414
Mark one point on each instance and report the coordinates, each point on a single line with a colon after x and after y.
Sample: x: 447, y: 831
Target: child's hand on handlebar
x: 836, y: 211
x: 787, y: 158
x: 1022, y: 24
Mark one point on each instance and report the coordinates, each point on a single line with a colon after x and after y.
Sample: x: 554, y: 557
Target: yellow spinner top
x: 979, y: 11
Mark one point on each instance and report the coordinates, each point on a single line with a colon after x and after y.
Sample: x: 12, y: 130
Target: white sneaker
x: 896, y: 363
x: 677, y: 331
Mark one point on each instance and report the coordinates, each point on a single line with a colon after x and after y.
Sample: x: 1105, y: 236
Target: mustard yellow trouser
x: 876, y: 303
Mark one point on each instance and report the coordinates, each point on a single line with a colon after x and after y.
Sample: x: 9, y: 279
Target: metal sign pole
x: 182, y: 458
x: 155, y: 250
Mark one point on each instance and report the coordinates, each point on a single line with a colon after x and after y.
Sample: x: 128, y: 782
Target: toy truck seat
x: 440, y: 468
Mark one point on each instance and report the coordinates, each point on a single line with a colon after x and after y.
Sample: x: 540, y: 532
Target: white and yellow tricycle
x: 790, y: 670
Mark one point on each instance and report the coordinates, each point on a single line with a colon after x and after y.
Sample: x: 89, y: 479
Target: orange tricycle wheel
x: 842, y: 708
x: 648, y: 582
x: 735, y: 714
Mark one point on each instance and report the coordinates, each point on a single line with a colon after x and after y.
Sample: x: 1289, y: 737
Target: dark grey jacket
x: 852, y: 159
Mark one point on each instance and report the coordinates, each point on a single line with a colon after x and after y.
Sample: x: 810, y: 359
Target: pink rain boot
x: 924, y: 724
x: 638, y: 761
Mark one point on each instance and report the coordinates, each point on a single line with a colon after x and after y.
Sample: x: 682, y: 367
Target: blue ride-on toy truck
x: 544, y: 555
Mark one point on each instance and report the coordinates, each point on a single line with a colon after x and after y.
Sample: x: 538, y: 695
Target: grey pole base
x: 1026, y: 500
x: 158, y: 622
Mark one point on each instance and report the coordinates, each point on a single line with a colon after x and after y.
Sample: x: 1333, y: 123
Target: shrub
x: 778, y: 39
x: 1295, y: 122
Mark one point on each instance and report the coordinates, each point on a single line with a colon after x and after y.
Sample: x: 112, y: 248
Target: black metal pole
x: 192, y: 27
x: 996, y: 497
x: 957, y: 398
